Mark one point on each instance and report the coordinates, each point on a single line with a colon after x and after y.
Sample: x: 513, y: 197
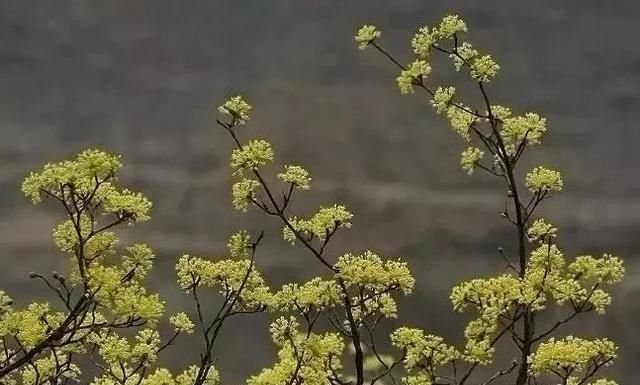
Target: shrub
x: 324, y: 329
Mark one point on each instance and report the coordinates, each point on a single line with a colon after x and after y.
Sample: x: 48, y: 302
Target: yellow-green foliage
x: 325, y: 329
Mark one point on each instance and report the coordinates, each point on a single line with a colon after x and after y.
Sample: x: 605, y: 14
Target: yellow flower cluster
x: 48, y: 370
x: 123, y: 295
x: 461, y: 120
x: 163, y: 377
x: 326, y: 221
x: 529, y: 128
x: 449, y: 26
x: 30, y: 326
x: 189, y: 375
x: 494, y: 295
x: 571, y: 354
x: 608, y: 269
x: 182, y: 323
x: 372, y: 281
x: 252, y: 155
x: 83, y: 183
x: 422, y: 41
x: 542, y: 179
x: 237, y: 108
x: 541, y: 231
x: 112, y: 288
x: 469, y: 158
x: 297, y: 176
x: 239, y: 245
x: 492, y: 298
x: 581, y: 280
x: 501, y: 113
x: 100, y: 245
x: 464, y: 54
x: 442, y: 98
x: 124, y: 202
x: 140, y: 259
x: 414, y: 74
x: 547, y: 274
x: 243, y: 192
x: 228, y: 276
x: 361, y: 287
x: 484, y: 68
x: 424, y: 354
x: 316, y: 294
x: 118, y: 287
x: 115, y: 349
x: 481, y: 67
x: 123, y: 358
x: 80, y: 174
x: 367, y: 34
x: 600, y: 300
x: 126, y: 375
x: 308, y: 358
x: 368, y: 270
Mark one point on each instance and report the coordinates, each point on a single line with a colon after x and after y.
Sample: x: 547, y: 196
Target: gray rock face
x: 143, y: 78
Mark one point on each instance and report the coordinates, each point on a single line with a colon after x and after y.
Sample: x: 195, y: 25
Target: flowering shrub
x: 326, y: 329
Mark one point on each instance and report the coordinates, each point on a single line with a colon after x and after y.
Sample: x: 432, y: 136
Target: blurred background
x: 144, y: 78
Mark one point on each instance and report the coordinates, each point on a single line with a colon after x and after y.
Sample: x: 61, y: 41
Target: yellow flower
x: 542, y: 179
x: 182, y: 323
x: 571, y: 354
x: 189, y: 376
x: 414, y: 74
x: 461, y: 120
x: 419, y: 347
x: 484, y: 68
x: 316, y: 294
x: 305, y: 358
x: 366, y: 35
x: 529, y: 128
x: 541, y: 230
x: 500, y: 112
x: 608, y: 269
x: 370, y: 271
x: 469, y: 158
x: 422, y: 41
x: 449, y: 26
x: 238, y: 244
x: 463, y: 55
x: 227, y: 276
x: 237, y: 108
x: 252, y: 155
x: 442, y: 98
x: 326, y: 221
x: 62, y: 179
x: 242, y: 193
x: 297, y: 176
